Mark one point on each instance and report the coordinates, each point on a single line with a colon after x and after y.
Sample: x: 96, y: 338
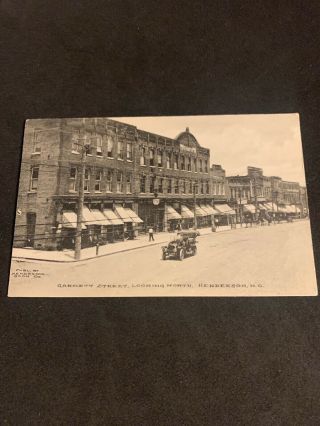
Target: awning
x: 103, y: 221
x: 262, y: 207
x: 123, y: 215
x: 208, y: 209
x: 224, y: 209
x: 249, y: 208
x: 186, y: 213
x: 112, y: 217
x: 271, y: 207
x: 135, y: 218
x: 172, y: 214
x: 88, y: 217
x: 200, y: 212
x: 69, y: 220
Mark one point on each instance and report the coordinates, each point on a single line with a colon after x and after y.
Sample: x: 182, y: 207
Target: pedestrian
x: 151, y: 234
x: 97, y: 247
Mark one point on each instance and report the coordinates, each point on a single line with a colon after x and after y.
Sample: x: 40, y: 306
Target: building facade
x: 132, y: 179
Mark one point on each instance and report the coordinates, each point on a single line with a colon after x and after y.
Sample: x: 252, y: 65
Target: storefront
x: 187, y: 217
x: 173, y: 218
x: 115, y: 232
x: 226, y: 215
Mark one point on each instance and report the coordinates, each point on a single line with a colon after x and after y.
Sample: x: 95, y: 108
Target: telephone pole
x: 77, y: 247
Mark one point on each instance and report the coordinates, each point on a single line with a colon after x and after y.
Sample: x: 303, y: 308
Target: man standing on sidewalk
x: 151, y: 234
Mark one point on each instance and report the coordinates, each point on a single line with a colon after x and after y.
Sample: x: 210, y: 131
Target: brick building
x: 132, y: 179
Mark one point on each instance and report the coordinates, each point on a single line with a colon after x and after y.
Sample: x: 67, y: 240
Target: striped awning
x: 133, y: 215
x: 249, y: 208
x: 172, y: 214
x: 112, y: 217
x: 103, y: 221
x: 88, y: 217
x: 186, y: 213
x: 200, y: 212
x: 224, y: 209
x: 123, y: 214
x: 69, y: 220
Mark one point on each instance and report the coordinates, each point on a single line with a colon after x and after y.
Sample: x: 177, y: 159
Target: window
x: 119, y: 182
x: 120, y: 150
x: 152, y: 184
x: 195, y: 165
x: 142, y: 156
x: 160, y: 185
x: 206, y: 166
x: 176, y: 188
x: 184, y: 187
x: 99, y: 146
x: 97, y: 186
x: 109, y: 181
x: 151, y: 157
x: 36, y: 144
x: 175, y: 162
x: 34, y: 178
x: 129, y: 151
x: 168, y: 162
x: 142, y: 184
x: 159, y: 154
x: 86, y: 184
x: 169, y: 189
x: 109, y: 147
x: 128, y: 184
x: 202, y: 187
x: 190, y: 187
x: 200, y: 166
x: 183, y: 165
x: 207, y: 188
x: 72, y: 179
x: 75, y: 145
x: 189, y: 165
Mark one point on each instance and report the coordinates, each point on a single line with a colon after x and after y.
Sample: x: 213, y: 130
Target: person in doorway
x: 151, y: 238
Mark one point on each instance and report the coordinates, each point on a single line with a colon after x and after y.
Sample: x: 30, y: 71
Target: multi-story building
x: 258, y: 192
x: 130, y: 178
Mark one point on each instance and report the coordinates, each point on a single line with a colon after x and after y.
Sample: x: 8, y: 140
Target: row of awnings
x: 271, y: 207
x: 108, y: 217
x: 203, y: 210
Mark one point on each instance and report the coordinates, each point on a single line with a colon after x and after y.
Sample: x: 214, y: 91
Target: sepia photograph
x: 162, y: 206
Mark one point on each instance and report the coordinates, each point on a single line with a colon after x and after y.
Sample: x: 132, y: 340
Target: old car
x: 181, y: 246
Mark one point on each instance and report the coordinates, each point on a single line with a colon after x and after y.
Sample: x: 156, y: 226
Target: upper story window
x: 168, y: 162
x: 99, y: 146
x: 109, y: 147
x: 151, y: 157
x: 169, y: 188
x: 34, y: 178
x: 195, y: 166
x: 160, y: 185
x: 184, y: 187
x: 142, y: 156
x: 142, y: 184
x: 75, y: 145
x: 183, y: 165
x: 152, y: 184
x: 86, y: 184
x: 207, y: 187
x: 120, y: 150
x: 119, y: 182
x: 190, y: 187
x: 36, y: 144
x: 128, y: 184
x: 159, y: 155
x: 206, y: 166
x: 189, y: 164
x: 200, y: 166
x: 175, y: 161
x: 73, y: 179
x: 109, y: 181
x: 176, y: 187
x: 129, y: 151
x: 97, y: 186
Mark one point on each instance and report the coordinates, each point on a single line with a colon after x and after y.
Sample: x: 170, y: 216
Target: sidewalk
x: 106, y: 250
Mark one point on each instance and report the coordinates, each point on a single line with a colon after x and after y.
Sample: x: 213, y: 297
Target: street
x: 259, y: 261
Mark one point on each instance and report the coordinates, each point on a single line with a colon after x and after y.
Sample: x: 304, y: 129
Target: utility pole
x: 77, y: 247
x: 195, y: 204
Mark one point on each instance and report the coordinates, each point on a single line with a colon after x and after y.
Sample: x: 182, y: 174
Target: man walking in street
x: 151, y: 234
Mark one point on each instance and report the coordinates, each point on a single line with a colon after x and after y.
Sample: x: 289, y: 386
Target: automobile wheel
x: 181, y: 255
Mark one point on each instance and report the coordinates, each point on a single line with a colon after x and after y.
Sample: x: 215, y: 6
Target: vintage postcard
x: 162, y: 206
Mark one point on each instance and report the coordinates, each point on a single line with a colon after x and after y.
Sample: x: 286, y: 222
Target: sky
x: 269, y: 141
